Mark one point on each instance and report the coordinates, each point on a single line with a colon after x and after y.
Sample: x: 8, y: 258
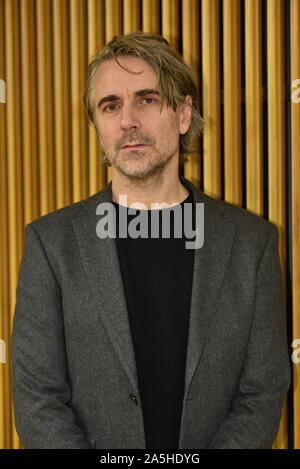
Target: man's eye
x: 149, y: 100
x: 110, y: 108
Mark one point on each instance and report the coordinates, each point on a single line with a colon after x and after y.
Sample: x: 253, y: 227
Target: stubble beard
x: 153, y: 167
x: 156, y: 161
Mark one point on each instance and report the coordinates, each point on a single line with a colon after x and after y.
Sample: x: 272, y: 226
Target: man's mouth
x: 133, y: 146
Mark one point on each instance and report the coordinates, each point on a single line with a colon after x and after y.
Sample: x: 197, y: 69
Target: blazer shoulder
x: 245, y: 221
x: 60, y: 219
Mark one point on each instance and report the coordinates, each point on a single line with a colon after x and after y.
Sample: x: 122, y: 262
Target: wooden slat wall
x: 210, y: 41
x: 151, y: 14
x: 276, y: 134
x: 170, y: 14
x: 113, y: 26
x: 29, y: 111
x: 131, y: 19
x: 62, y: 104
x: 295, y: 141
x: 44, y: 54
x: 49, y: 154
x: 254, y: 116
x: 4, y: 301
x: 232, y: 101
x: 78, y: 34
x: 191, y: 52
x: 13, y: 225
x: 96, y: 40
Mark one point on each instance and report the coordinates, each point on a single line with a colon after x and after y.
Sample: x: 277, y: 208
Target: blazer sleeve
x: 41, y: 390
x: 255, y: 412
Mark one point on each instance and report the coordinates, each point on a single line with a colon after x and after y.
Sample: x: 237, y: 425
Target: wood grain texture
x: 254, y: 97
x: 190, y: 52
x: 113, y: 23
x: 79, y: 60
x: 131, y: 16
x: 170, y: 18
x: 29, y: 111
x: 211, y: 97
x: 232, y: 101
x: 62, y: 105
x: 4, y: 304
x: 276, y: 139
x: 14, y: 187
x: 151, y: 15
x: 96, y: 40
x: 295, y: 118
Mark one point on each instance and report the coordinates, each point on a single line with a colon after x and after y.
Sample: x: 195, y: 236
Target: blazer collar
x: 102, y: 268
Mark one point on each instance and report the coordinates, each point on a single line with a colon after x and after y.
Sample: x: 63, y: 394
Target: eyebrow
x: 114, y: 97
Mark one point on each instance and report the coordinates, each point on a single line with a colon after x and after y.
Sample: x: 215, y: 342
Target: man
x: 139, y: 342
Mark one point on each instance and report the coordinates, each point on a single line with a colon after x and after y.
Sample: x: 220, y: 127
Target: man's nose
x: 129, y: 117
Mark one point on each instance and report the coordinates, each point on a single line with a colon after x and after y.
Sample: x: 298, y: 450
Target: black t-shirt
x: 157, y: 275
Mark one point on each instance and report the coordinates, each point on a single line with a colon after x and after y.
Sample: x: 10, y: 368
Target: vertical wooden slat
x: 113, y: 24
x: 276, y: 138
x: 131, y: 19
x: 276, y: 116
x: 113, y: 19
x: 14, y: 186
x: 45, y: 106
x: 78, y: 73
x: 151, y: 16
x: 253, y: 75
x: 96, y: 40
x: 232, y: 101
x: 170, y: 21
x: 295, y: 120
x: 211, y: 97
x: 4, y: 310
x: 29, y: 111
x: 62, y: 108
x: 190, y: 52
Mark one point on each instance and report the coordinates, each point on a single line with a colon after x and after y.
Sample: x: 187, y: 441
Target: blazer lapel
x: 210, y: 263
x: 101, y: 264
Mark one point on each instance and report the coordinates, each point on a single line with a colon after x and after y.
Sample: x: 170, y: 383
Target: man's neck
x: 160, y: 188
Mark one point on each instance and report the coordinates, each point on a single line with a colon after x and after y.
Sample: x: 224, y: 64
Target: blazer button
x: 133, y: 397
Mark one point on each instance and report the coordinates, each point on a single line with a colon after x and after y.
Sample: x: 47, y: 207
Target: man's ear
x: 185, y: 115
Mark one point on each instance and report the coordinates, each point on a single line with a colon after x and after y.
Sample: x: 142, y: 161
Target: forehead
x: 110, y: 78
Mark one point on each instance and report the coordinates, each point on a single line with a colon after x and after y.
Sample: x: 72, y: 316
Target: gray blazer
x: 74, y: 376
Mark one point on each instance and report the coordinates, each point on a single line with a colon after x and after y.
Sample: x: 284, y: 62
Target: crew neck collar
x: 188, y: 199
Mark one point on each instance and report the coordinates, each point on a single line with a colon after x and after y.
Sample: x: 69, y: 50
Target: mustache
x: 134, y: 137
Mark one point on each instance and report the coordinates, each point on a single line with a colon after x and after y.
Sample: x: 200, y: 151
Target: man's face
x: 138, y: 137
